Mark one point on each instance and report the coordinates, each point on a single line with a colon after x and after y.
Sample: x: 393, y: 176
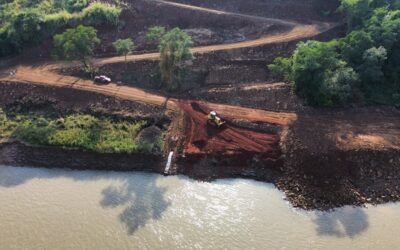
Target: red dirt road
x: 200, y: 137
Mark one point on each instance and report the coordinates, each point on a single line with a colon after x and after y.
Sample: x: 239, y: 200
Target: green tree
x: 76, y: 44
x: 155, y: 33
x: 124, y: 46
x: 339, y: 86
x: 75, y: 5
x: 357, y: 12
x: 317, y: 73
x: 282, y: 67
x: 354, y: 45
x: 25, y: 27
x: 372, y: 68
x: 365, y: 63
x: 174, y: 48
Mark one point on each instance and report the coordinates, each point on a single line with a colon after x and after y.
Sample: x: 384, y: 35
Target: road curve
x: 46, y: 74
x: 297, y: 33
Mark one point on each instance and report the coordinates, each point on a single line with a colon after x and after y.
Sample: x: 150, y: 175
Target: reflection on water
x: 144, y: 200
x: 61, y: 209
x: 346, y: 222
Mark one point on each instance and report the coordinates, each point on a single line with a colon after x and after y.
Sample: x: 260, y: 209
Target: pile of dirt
x: 203, y: 138
x: 149, y: 134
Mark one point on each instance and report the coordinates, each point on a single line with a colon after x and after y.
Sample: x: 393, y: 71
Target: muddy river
x: 61, y: 209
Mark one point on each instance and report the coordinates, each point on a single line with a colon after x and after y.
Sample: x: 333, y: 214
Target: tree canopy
x: 76, y: 44
x: 124, y: 46
x: 362, y: 66
x: 174, y: 48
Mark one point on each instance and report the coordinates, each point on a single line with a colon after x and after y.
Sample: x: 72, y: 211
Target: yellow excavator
x: 214, y: 120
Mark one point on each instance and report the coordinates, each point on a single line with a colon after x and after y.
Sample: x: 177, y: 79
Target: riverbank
x: 361, y: 177
x: 321, y: 159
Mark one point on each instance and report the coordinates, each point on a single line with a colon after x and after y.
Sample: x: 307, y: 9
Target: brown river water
x: 63, y: 209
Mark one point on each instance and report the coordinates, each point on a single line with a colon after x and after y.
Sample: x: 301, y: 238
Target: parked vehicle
x: 102, y: 79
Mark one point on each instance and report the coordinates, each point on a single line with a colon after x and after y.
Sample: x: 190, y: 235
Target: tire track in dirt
x: 232, y: 14
x: 202, y: 138
x: 297, y: 33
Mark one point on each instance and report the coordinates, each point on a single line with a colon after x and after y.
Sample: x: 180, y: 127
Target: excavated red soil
x: 202, y: 138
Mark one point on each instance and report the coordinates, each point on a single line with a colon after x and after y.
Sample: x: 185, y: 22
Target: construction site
x: 234, y: 118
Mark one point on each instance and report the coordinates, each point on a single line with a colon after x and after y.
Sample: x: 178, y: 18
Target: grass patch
x: 87, y: 132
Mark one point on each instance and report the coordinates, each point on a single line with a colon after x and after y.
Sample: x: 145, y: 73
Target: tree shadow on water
x: 142, y: 198
x: 345, y: 222
x: 139, y: 194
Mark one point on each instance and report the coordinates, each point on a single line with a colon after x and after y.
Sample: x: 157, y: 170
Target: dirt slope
x: 220, y: 12
x: 228, y: 140
x: 298, y: 32
x: 200, y: 138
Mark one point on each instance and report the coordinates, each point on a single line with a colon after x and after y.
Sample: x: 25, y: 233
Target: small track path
x: 46, y: 74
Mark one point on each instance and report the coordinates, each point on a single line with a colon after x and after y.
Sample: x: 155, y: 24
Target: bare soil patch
x: 299, y: 10
x: 206, y: 28
x: 66, y: 100
x: 319, y: 158
x: 203, y: 138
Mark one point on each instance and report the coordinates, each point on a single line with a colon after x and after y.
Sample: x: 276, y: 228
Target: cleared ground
x: 47, y: 74
x: 340, y: 144
x: 231, y: 140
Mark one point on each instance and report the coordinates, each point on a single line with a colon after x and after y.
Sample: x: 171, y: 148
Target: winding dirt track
x: 232, y: 14
x: 244, y: 139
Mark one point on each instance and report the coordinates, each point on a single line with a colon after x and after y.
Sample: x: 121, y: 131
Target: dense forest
x: 362, y: 67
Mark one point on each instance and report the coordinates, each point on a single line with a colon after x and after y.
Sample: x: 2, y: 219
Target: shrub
x: 98, y: 13
x: 152, y: 147
x: 77, y: 131
x: 74, y: 137
x: 155, y: 33
x: 55, y: 21
x: 75, y: 5
x: 33, y: 133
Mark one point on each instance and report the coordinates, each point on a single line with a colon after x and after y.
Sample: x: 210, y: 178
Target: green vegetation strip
x: 85, y: 132
x: 25, y: 22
